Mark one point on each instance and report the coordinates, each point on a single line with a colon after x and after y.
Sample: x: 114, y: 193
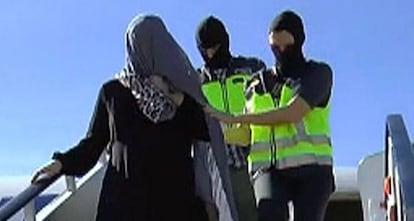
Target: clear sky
x: 54, y: 55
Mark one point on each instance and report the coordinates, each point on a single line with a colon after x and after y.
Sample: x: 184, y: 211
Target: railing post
x: 70, y: 183
x: 103, y: 158
x: 30, y: 211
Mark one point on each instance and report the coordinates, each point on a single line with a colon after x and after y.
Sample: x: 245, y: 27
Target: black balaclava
x: 290, y: 61
x: 210, y: 32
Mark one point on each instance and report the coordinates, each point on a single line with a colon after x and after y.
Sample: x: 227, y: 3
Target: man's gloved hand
x: 239, y: 135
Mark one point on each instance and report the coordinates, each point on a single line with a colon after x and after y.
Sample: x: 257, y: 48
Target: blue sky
x: 54, y: 55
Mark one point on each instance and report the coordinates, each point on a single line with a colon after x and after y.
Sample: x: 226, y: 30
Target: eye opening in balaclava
x: 292, y: 59
x: 210, y: 32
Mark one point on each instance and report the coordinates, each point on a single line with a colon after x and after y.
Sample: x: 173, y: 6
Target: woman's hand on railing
x: 46, y: 172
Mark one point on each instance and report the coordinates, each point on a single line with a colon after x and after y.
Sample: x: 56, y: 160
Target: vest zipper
x: 224, y: 93
x: 272, y: 143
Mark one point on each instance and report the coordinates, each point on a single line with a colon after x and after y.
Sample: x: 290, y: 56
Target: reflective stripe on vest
x: 260, y: 155
x: 303, y: 159
x: 301, y: 136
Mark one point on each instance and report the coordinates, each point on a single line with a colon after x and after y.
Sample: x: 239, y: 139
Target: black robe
x: 161, y: 174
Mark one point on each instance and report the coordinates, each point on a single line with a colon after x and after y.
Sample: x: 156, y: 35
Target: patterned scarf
x: 152, y: 102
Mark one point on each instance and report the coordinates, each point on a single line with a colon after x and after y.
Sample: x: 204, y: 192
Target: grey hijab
x: 151, y: 49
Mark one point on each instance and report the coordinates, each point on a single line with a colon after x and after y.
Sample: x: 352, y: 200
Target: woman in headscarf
x: 149, y: 117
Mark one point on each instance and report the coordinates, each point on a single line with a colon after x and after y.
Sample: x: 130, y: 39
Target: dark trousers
x: 307, y: 187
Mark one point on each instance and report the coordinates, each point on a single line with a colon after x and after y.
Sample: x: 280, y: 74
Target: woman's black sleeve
x: 81, y: 158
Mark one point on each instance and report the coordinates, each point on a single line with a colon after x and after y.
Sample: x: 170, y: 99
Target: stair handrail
x: 398, y: 146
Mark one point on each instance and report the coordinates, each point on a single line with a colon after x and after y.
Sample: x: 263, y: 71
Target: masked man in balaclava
x: 291, y: 143
x: 224, y: 78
